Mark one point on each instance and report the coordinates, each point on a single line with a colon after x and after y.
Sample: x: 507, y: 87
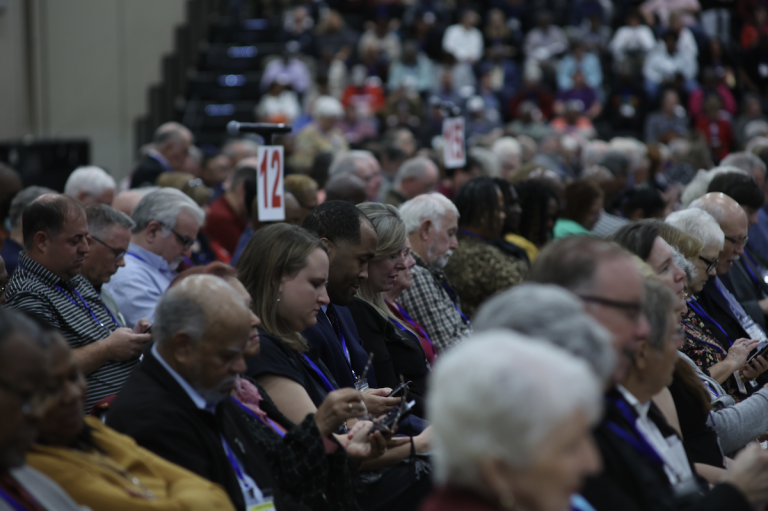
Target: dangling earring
x: 507, y: 501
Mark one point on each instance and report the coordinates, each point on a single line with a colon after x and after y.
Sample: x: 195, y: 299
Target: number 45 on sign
x: 269, y: 187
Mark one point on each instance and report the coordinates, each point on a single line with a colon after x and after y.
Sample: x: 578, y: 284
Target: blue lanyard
x: 137, y: 256
x: 450, y: 295
x: 269, y: 421
x: 12, y: 501
x: 402, y: 327
x: 635, y: 439
x: 326, y: 382
x: 715, y: 346
x: 420, y: 328
x: 699, y: 310
x: 235, y: 465
x: 86, y: 307
x: 473, y: 235
x: 751, y: 273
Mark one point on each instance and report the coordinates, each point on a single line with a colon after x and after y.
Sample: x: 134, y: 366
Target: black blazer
x: 154, y: 410
x: 395, y: 353
x: 631, y: 482
x: 146, y: 172
x: 327, y: 344
x: 745, y: 289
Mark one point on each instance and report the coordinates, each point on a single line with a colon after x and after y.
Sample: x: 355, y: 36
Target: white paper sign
x: 454, y: 155
x: 269, y: 184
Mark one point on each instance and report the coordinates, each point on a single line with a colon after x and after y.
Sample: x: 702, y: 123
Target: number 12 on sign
x: 270, y: 184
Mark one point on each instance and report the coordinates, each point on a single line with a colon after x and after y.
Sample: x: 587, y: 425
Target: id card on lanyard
x: 268, y: 504
x: 747, y: 323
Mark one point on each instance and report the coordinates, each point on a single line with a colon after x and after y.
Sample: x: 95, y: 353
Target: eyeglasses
x: 30, y: 401
x: 738, y: 243
x: 186, y: 241
x: 710, y: 264
x: 119, y: 252
x: 632, y: 310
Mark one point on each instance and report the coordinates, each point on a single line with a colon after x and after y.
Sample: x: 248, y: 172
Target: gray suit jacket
x: 46, y: 492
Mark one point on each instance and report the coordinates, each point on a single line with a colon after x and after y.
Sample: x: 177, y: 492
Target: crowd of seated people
x: 575, y: 319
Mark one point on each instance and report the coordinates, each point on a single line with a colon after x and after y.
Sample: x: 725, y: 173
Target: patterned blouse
x: 702, y: 347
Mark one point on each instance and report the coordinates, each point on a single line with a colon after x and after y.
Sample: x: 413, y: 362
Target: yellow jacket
x: 92, y: 483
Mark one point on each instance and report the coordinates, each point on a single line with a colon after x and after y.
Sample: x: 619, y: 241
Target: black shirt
x: 699, y: 440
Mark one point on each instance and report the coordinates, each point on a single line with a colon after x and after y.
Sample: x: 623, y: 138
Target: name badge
x: 267, y: 505
x: 754, y: 331
x: 740, y: 383
x: 361, y: 385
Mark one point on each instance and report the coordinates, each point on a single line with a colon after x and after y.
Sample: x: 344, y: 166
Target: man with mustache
x: 167, y: 223
x: 175, y: 403
x: 48, y: 284
x: 431, y: 221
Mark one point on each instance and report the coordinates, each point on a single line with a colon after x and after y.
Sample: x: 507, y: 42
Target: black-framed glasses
x: 710, y: 264
x: 185, y: 240
x: 119, y: 252
x: 632, y: 310
x: 30, y: 401
x: 739, y: 243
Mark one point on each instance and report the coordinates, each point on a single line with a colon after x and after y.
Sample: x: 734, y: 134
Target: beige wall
x: 93, y: 61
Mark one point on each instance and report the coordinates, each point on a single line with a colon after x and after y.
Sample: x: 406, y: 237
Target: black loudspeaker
x: 46, y: 163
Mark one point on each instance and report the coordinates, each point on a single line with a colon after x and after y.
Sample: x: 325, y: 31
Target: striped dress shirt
x: 75, y: 308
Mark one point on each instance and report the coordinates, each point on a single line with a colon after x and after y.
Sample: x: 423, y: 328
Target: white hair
x: 744, y: 161
x: 92, y: 180
x: 164, y: 206
x: 490, y: 401
x: 415, y: 168
x: 699, y: 223
x: 346, y: 163
x: 756, y: 142
x: 488, y: 161
x: 593, y: 152
x: 327, y: 106
x: 632, y: 147
x: 552, y: 313
x: 697, y: 188
x: 429, y: 206
x: 506, y: 147
x: 684, y: 264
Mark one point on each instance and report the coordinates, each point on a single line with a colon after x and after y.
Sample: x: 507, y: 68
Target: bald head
x: 201, y: 330
x: 733, y: 221
x: 346, y: 187
x: 126, y: 201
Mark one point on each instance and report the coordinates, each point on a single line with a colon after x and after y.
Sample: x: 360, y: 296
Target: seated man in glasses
x: 167, y: 222
x: 48, y: 283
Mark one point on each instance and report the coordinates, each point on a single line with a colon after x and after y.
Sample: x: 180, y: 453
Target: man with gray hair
x: 167, y: 223
x: 510, y: 154
x: 431, y: 221
x: 109, y: 234
x: 14, y: 244
x: 49, y: 285
x: 747, y: 162
x: 414, y: 177
x: 554, y: 314
x: 168, y: 153
x: 90, y: 185
x: 364, y: 165
x: 727, y: 318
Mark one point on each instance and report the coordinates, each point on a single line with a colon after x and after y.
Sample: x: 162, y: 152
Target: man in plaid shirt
x: 432, y: 222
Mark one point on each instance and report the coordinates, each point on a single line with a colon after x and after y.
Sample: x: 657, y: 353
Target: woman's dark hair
x: 477, y: 200
x: 648, y: 200
x: 580, y: 194
x: 534, y: 197
x: 637, y: 237
x: 320, y: 167
x: 739, y: 187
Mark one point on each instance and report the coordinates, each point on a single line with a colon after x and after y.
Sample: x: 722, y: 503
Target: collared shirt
x: 161, y: 159
x: 138, y: 285
x: 430, y: 305
x: 670, y: 450
x: 247, y: 484
x: 69, y: 306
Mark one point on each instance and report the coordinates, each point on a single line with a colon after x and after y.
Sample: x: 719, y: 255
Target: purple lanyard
x: 751, y: 273
x: 137, y: 256
x: 450, y: 295
x: 326, y: 382
x: 269, y: 422
x: 12, y: 501
x: 635, y: 438
x: 86, y: 307
x: 699, y: 310
x: 473, y: 235
x: 410, y: 320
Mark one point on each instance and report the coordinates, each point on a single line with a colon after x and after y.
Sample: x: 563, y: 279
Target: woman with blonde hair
x: 398, y: 352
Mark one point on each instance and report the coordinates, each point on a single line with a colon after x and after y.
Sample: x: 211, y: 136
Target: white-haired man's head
x: 510, y: 153
x: 733, y: 222
x: 490, y: 426
x: 431, y: 221
x: 91, y: 185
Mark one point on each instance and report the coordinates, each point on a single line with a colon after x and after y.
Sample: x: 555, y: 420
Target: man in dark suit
x: 175, y: 403
x: 728, y: 320
x: 168, y: 153
x: 351, y: 240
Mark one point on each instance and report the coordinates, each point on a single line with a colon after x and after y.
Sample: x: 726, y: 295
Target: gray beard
x: 441, y: 261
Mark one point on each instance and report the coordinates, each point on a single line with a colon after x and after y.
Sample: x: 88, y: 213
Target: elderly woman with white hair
x: 505, y: 438
x: 320, y: 136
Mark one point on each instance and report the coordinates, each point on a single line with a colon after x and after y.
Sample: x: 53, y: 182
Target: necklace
x: 113, y: 467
